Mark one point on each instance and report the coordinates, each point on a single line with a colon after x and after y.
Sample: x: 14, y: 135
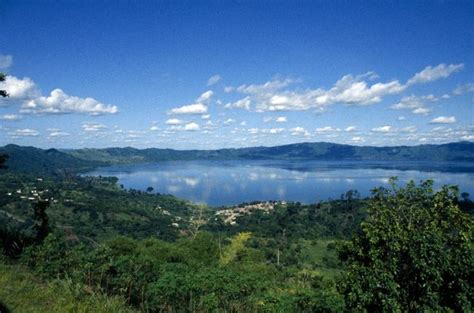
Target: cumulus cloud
x: 281, y: 119
x: 350, y: 128
x: 174, y: 121
x: 443, y: 120
x: 229, y: 121
x: 327, y: 129
x: 18, y: 89
x: 239, y: 104
x: 350, y: 90
x: 93, y: 127
x: 358, y: 139
x: 463, y: 89
x: 191, y: 127
x: 275, y: 130
x: 213, y: 80
x: 409, y: 129
x: 382, y: 129
x: 5, y: 61
x: 57, y: 134
x: 197, y: 108
x: 267, y: 87
x: 415, y: 104
x: 206, y: 96
x: 58, y: 102
x: 299, y: 131
x: 10, y: 117
x: 25, y: 132
x: 430, y: 73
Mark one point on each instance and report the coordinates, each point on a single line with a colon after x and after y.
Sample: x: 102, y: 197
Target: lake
x: 219, y: 183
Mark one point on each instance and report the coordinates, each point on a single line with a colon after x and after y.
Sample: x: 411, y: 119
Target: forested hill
x: 40, y: 161
x: 461, y: 151
x: 30, y: 158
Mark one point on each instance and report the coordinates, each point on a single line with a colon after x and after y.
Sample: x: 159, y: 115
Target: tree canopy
x: 414, y: 252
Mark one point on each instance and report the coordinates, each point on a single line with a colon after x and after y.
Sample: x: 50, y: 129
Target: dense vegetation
x: 101, y: 248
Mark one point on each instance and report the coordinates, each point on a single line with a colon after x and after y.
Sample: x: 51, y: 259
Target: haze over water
x: 219, y: 183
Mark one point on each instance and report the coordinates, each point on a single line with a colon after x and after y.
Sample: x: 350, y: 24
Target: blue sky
x: 213, y: 74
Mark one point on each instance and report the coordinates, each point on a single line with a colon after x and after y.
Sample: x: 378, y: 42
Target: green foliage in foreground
x: 414, y: 253
x: 194, y: 275
x: 21, y: 291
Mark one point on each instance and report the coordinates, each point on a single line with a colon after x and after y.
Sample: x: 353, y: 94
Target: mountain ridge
x: 32, y: 159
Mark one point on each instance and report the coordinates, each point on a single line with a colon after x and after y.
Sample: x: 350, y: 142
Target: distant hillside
x: 30, y: 159
x: 39, y: 161
x: 461, y: 151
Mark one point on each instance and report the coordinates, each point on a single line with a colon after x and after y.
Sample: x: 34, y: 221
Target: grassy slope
x: 20, y: 291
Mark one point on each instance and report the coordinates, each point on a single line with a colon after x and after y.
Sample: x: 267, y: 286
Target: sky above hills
x: 212, y: 74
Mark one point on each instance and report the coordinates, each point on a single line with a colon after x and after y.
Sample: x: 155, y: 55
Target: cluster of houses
x: 230, y: 215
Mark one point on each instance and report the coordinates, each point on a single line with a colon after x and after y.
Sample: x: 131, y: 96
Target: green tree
x: 3, y: 93
x: 413, y: 253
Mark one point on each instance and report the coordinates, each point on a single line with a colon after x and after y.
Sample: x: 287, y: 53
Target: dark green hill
x: 461, y: 151
x: 52, y: 161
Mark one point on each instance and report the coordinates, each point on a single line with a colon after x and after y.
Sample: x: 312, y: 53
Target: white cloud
x: 213, y: 80
x: 463, y: 89
x: 267, y: 87
x: 415, y: 104
x: 423, y: 111
x: 5, y: 61
x: 56, y: 134
x: 281, y: 119
x: 431, y: 73
x: 276, y: 130
x: 382, y: 129
x: 351, y: 90
x: 350, y: 129
x: 154, y: 128
x: 443, y: 120
x: 409, y: 129
x: 10, y: 117
x: 18, y: 89
x: 197, y: 108
x: 401, y: 118
x: 191, y: 127
x: 58, y: 102
x: 299, y: 131
x: 239, y: 104
x: 206, y: 96
x: 358, y: 139
x: 229, y: 121
x: 174, y: 121
x: 327, y: 129
x: 26, y: 132
x: 206, y: 116
x: 348, y: 90
x: 93, y: 127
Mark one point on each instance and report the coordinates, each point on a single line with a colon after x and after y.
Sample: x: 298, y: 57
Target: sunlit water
x: 219, y: 183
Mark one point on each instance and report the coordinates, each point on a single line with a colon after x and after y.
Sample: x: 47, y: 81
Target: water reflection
x: 231, y: 182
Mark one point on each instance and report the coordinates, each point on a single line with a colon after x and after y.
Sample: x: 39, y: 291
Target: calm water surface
x: 219, y: 183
